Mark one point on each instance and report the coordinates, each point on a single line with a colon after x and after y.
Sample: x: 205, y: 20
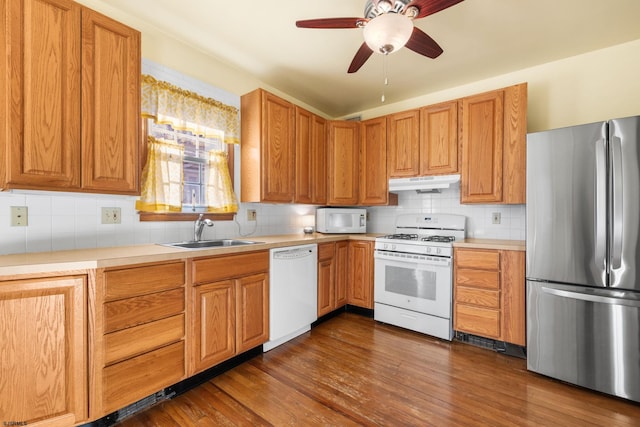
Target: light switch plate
x: 111, y: 216
x: 495, y: 218
x: 19, y: 216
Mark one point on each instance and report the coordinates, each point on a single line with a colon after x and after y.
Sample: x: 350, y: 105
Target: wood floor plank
x: 352, y: 370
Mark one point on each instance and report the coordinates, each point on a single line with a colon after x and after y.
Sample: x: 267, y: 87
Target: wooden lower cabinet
x: 489, y: 294
x: 332, y: 276
x: 230, y: 303
x: 360, y: 289
x: 43, y: 351
x: 139, y: 329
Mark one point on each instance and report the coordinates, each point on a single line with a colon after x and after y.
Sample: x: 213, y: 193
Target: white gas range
x: 413, y: 273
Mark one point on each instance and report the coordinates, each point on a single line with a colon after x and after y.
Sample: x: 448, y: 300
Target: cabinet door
x: 403, y: 152
x: 110, y: 105
x: 214, y: 324
x: 341, y: 261
x: 41, y: 140
x: 439, y: 139
x: 311, y: 158
x: 360, y: 292
x: 513, y: 297
x: 481, y: 141
x: 44, y: 351
x: 326, y: 286
x: 252, y: 312
x: 277, y: 146
x: 343, y: 158
x: 374, y: 182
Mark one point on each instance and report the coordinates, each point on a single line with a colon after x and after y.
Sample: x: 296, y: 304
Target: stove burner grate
x: 401, y: 236
x: 443, y: 239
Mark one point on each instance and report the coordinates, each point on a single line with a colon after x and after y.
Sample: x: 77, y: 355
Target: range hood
x: 423, y: 184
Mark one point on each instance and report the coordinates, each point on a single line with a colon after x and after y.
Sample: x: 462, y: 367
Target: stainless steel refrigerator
x: 583, y: 255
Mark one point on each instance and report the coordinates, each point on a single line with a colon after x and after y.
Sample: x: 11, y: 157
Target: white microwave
x: 341, y: 220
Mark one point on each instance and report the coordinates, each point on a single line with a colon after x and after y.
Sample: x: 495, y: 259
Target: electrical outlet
x: 19, y: 216
x: 252, y: 215
x: 111, y: 216
x: 495, y: 218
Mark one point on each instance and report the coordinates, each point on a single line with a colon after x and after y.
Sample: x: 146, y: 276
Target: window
x: 195, y: 162
x: 189, y: 154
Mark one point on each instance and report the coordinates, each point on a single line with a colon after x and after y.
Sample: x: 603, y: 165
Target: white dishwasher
x: 293, y: 292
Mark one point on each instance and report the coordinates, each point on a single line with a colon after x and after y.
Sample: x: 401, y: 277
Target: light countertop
x: 83, y: 259
x: 508, y: 245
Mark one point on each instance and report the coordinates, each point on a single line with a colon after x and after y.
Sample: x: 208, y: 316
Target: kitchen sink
x: 202, y: 244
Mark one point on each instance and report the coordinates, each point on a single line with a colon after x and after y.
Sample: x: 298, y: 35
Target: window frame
x: 182, y: 216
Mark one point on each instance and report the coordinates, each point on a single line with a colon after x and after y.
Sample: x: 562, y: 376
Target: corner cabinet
x: 43, y: 371
x: 493, y: 146
x: 71, y: 108
x: 230, y: 307
x: 343, y: 163
x: 489, y: 294
x: 311, y: 158
x: 360, y: 290
x: 267, y: 148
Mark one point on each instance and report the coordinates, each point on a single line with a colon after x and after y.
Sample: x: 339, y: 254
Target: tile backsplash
x: 60, y: 221
x: 479, y: 217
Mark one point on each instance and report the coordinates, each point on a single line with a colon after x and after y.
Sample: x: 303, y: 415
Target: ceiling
x: 480, y: 38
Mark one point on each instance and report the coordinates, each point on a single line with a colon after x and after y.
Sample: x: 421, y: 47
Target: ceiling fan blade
x: 421, y: 43
x: 361, y: 57
x: 331, y: 23
x: 429, y: 7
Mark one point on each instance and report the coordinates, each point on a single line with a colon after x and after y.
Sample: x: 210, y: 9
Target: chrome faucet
x: 199, y: 225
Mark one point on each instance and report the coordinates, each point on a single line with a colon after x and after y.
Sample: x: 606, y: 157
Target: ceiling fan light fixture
x: 388, y: 32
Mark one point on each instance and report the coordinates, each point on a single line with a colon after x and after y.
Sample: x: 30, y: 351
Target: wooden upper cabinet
x: 343, y: 160
x: 267, y: 153
x: 310, y: 158
x: 41, y: 100
x: 493, y: 146
x: 72, y: 108
x: 374, y: 183
x: 110, y: 105
x: 439, y: 139
x: 403, y: 153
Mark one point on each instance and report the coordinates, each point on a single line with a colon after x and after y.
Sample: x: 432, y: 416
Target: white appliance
x: 413, y: 273
x: 423, y: 184
x: 293, y: 292
x: 341, y: 220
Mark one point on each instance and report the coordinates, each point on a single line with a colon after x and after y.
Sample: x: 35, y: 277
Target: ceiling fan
x: 387, y: 27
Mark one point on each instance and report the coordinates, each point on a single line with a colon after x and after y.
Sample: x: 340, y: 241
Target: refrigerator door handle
x: 601, y: 205
x: 590, y: 297
x: 616, y: 240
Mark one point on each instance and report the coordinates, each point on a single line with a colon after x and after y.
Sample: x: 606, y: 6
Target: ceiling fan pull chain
x: 384, y: 75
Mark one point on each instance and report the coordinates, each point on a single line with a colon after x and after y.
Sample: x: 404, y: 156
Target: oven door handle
x: 419, y: 260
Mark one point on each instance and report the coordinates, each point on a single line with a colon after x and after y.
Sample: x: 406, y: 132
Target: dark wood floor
x: 352, y: 370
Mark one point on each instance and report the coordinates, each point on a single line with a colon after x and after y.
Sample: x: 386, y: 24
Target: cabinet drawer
x: 131, y: 342
x: 326, y: 251
x: 484, y: 260
x: 478, y: 297
x: 214, y: 269
x: 478, y: 278
x: 135, y: 281
x: 129, y: 381
x: 479, y: 321
x: 147, y: 308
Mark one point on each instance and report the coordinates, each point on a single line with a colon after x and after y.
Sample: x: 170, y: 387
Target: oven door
x: 415, y: 282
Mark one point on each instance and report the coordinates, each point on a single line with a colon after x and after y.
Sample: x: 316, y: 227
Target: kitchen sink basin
x: 202, y: 244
